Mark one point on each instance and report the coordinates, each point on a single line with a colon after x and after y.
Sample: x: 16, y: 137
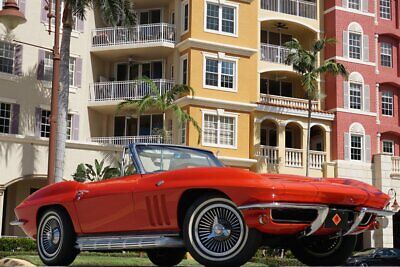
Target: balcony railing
x: 274, y: 53
x: 290, y: 102
x: 294, y: 157
x: 395, y: 166
x: 306, y: 9
x: 317, y: 158
x: 140, y: 34
x: 126, y: 140
x: 269, y: 153
x: 117, y: 91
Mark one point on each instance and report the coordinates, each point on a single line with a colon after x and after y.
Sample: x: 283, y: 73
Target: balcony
x: 290, y: 102
x: 305, y: 9
x: 123, y: 39
x: 123, y: 90
x: 126, y: 140
x: 395, y: 167
x: 274, y: 53
x: 293, y: 157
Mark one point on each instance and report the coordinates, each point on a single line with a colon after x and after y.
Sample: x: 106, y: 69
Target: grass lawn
x: 113, y: 259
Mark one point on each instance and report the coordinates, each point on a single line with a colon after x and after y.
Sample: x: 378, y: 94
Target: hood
x: 336, y: 191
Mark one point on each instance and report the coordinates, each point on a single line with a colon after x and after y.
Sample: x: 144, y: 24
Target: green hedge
x: 17, y: 244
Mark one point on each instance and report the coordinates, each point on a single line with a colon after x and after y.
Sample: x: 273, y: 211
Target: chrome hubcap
x: 219, y: 230
x: 50, y: 236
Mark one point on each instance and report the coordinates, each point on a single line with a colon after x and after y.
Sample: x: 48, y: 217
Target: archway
x: 269, y: 133
x: 294, y: 136
x: 317, y: 138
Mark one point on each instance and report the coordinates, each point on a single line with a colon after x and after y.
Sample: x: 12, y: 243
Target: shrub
x: 17, y: 244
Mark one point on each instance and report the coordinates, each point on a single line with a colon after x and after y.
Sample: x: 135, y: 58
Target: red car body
x: 151, y: 202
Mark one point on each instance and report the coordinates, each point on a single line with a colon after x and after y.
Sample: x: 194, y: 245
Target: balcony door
x: 275, y: 38
x: 134, y: 71
x: 138, y: 126
x: 150, y: 16
x: 278, y: 88
x: 125, y: 126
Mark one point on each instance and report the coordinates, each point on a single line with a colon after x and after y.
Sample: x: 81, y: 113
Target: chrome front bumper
x: 323, y: 211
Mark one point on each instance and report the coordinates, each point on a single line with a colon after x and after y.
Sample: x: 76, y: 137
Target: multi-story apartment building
x: 249, y: 103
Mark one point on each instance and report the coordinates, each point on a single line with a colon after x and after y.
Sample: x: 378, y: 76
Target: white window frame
x: 361, y: 95
x: 9, y: 118
x: 9, y: 54
x: 385, y: 15
x: 182, y: 61
x: 219, y: 114
x: 386, y: 49
x: 182, y: 133
x: 221, y: 57
x: 72, y: 71
x: 392, y: 147
x: 359, y: 3
x: 183, y: 4
x: 361, y: 45
x: 362, y: 137
x: 44, y: 134
x: 392, y: 103
x: 235, y: 22
x: 69, y: 126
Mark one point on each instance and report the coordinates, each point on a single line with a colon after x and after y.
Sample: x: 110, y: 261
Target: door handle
x: 80, y: 194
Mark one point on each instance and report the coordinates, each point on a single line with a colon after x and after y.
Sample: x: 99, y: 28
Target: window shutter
x: 18, y: 60
x: 40, y: 67
x: 21, y: 4
x: 344, y: 3
x: 366, y: 48
x: 81, y: 25
x: 365, y: 6
x: 346, y: 103
x: 38, y: 120
x: 367, y: 149
x: 345, y: 44
x: 43, y: 12
x: 346, y: 146
x: 78, y: 72
x: 367, y: 98
x: 75, y: 127
x: 15, y: 119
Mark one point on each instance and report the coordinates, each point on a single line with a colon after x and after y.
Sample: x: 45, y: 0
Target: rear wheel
x: 56, y: 238
x: 324, y: 251
x: 216, y: 234
x: 166, y: 257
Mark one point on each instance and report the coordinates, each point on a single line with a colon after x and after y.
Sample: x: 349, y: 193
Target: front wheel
x: 56, y: 238
x: 324, y: 251
x: 166, y: 257
x: 216, y: 234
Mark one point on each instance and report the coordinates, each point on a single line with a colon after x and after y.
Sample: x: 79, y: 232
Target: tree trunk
x: 308, y: 137
x: 64, y: 93
x: 164, y: 129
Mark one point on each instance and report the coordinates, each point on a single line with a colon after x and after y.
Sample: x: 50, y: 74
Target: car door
x: 106, y: 206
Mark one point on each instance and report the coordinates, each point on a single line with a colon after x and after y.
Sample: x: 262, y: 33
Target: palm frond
x: 320, y: 44
x: 332, y: 67
x: 185, y: 117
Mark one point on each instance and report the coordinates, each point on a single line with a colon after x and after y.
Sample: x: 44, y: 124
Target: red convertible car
x: 182, y: 199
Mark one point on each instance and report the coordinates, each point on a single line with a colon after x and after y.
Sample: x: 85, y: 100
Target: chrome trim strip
x: 317, y: 224
x: 17, y: 223
x: 361, y: 215
x: 92, y: 243
x: 357, y: 221
x: 380, y: 213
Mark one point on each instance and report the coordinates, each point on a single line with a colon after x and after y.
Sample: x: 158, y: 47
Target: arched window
x: 355, y: 44
x: 357, y: 144
x: 356, y: 93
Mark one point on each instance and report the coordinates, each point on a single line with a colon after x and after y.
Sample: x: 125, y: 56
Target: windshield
x: 155, y: 158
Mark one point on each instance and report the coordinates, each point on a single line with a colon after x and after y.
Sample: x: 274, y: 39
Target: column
x: 328, y: 146
x: 377, y: 53
x: 378, y: 143
x: 304, y: 146
x: 1, y: 208
x: 377, y: 101
x: 282, y: 145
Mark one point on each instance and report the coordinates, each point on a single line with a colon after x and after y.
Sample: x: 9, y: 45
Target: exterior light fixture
x: 393, y: 194
x: 10, y: 16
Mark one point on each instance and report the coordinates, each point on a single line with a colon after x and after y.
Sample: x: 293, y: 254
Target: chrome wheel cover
x: 219, y: 231
x: 50, y: 236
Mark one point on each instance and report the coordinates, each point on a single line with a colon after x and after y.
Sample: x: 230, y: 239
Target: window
x: 220, y: 74
x: 385, y: 9
x: 386, y: 54
x: 183, y: 134
x: 355, y: 95
x: 48, y: 66
x: 355, y: 4
x: 7, y: 52
x: 185, y: 17
x: 388, y: 147
x: 184, y: 69
x: 69, y: 127
x: 387, y: 103
x: 45, y: 124
x: 356, y: 147
x: 355, y: 45
x: 72, y: 68
x: 5, y: 118
x: 221, y: 18
x: 219, y: 130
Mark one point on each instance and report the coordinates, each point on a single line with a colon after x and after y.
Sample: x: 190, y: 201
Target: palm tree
x: 305, y: 62
x: 164, y: 101
x: 114, y: 12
